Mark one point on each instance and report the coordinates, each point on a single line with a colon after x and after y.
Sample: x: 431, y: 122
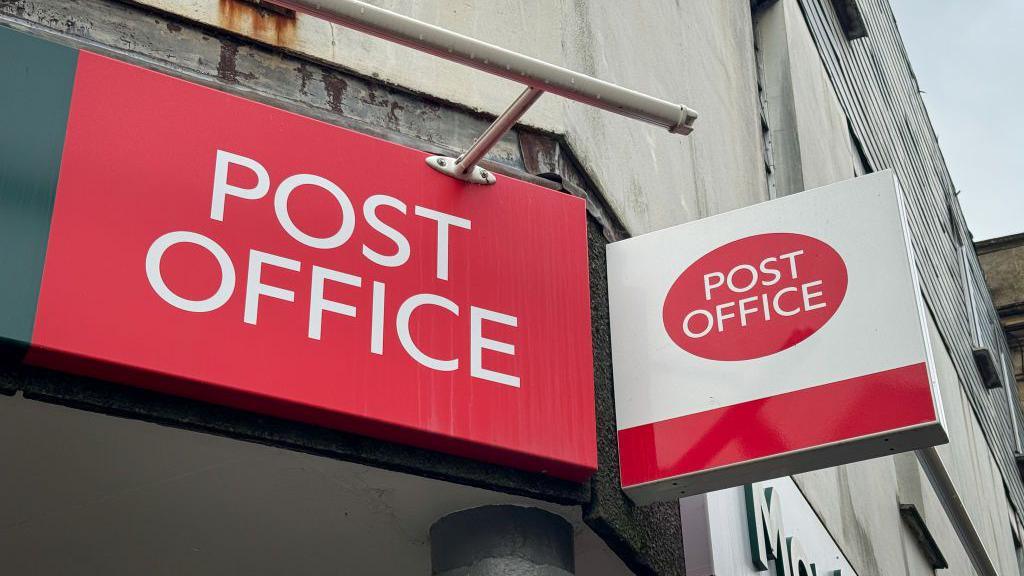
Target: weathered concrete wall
x: 700, y: 53
x: 859, y: 503
x: 1003, y: 261
x: 810, y: 138
x: 531, y: 27
x: 971, y: 466
x: 824, y: 138
x: 697, y: 53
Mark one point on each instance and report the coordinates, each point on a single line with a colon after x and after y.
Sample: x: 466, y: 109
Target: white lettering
x: 227, y: 272
x: 722, y: 317
x: 348, y: 222
x: 221, y: 188
x: 443, y: 222
x: 405, y: 312
x: 377, y: 319
x: 732, y: 273
x: 401, y: 255
x: 707, y: 283
x: 778, y: 309
x: 691, y: 333
x: 254, y: 288
x: 808, y: 295
x: 791, y: 256
x: 776, y: 275
x: 744, y: 310
x: 318, y: 304
x: 478, y: 344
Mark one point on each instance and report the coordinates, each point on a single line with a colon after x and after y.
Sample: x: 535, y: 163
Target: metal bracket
x: 375, y: 21
x: 448, y: 165
x: 465, y: 166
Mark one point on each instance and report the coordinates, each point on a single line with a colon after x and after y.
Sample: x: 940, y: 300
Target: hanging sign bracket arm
x: 537, y: 75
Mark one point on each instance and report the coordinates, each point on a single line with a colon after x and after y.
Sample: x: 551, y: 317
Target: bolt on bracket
x: 448, y: 165
x: 465, y: 166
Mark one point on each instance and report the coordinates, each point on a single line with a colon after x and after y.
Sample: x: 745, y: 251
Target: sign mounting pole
x: 465, y: 166
x: 537, y: 75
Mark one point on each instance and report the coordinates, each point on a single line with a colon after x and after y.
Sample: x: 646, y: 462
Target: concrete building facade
x: 1002, y: 260
x: 792, y: 95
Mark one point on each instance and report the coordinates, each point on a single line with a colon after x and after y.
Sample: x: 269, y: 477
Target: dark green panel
x: 36, y: 78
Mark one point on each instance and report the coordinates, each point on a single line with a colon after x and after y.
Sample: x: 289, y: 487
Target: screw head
x: 441, y: 162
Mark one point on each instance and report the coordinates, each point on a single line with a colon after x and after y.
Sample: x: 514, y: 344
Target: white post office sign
x: 780, y: 338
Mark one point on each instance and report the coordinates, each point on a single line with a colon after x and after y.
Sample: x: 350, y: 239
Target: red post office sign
x: 205, y: 245
x: 776, y: 339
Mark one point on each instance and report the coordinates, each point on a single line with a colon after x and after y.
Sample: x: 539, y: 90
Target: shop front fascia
x: 648, y: 539
x: 762, y: 528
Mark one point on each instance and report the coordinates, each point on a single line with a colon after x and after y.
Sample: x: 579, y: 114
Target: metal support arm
x: 948, y: 496
x: 465, y: 166
x: 538, y: 75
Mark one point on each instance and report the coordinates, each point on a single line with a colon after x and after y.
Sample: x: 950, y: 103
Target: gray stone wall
x: 1002, y: 260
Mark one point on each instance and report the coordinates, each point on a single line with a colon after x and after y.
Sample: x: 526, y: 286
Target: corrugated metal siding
x: 880, y: 96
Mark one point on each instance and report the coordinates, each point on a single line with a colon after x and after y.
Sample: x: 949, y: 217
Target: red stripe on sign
x: 776, y: 425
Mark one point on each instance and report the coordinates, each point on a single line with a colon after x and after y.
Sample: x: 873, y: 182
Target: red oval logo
x: 755, y: 296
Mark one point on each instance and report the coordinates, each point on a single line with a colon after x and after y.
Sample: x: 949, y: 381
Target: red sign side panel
x: 774, y: 426
x: 139, y: 162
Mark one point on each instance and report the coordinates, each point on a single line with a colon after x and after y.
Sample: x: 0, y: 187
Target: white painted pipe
x: 677, y: 118
x: 495, y: 131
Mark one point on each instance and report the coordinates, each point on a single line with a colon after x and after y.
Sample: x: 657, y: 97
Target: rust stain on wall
x: 266, y: 23
x: 226, y: 65
x: 335, y: 86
